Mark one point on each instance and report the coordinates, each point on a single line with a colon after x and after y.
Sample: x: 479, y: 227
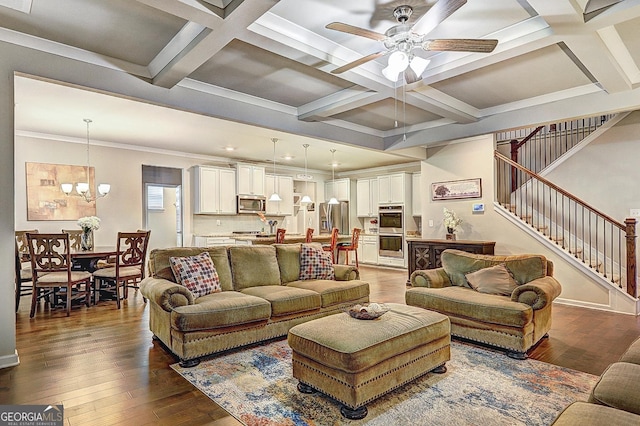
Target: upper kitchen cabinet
x: 416, y: 195
x: 339, y: 188
x: 251, y: 179
x: 214, y: 190
x: 283, y: 185
x: 367, y: 197
x: 394, y: 189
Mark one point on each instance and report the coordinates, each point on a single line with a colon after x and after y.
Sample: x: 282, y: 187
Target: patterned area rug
x: 480, y: 387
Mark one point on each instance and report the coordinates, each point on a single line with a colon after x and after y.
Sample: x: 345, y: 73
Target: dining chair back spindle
x: 51, y: 270
x: 331, y: 247
x: 353, y: 246
x: 129, y: 266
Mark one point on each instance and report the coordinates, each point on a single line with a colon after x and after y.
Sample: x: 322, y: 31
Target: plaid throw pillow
x: 196, y: 273
x: 315, y: 264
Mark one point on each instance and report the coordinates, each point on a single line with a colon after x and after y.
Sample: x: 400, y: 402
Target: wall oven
x: 391, y: 245
x: 390, y: 220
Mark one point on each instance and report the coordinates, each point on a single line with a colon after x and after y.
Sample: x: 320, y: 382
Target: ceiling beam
x: 210, y: 42
x: 189, y: 10
x: 336, y: 103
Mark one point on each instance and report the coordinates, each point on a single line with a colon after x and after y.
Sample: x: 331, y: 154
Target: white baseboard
x: 9, y: 360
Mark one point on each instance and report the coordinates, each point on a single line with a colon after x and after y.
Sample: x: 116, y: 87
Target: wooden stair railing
x: 590, y: 235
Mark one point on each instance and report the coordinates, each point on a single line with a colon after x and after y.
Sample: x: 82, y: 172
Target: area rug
x: 480, y: 387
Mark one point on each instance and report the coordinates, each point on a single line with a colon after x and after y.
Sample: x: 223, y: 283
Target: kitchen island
x: 288, y: 239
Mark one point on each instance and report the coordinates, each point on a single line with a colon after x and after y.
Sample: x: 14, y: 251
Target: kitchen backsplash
x: 214, y: 224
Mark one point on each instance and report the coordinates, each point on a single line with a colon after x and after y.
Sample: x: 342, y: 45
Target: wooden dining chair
x: 332, y: 244
x: 22, y: 268
x: 280, y: 235
x: 75, y: 237
x: 309, y: 236
x: 129, y: 267
x: 51, y: 270
x: 346, y: 247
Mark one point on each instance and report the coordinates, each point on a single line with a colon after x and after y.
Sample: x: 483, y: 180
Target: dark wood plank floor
x: 102, y: 364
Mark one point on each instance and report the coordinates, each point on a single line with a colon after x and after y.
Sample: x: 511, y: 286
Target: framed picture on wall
x: 45, y: 199
x: 455, y: 189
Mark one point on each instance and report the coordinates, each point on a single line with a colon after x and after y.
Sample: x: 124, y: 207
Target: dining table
x: 87, y: 260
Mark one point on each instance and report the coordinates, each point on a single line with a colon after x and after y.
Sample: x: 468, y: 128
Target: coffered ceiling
x: 554, y: 60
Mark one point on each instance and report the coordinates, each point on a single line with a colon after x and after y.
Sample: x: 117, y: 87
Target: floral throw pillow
x: 197, y: 273
x: 315, y: 264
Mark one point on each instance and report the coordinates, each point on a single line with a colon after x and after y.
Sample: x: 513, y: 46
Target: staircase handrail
x: 618, y: 224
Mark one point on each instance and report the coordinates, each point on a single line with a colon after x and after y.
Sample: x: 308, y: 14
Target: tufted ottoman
x: 356, y: 361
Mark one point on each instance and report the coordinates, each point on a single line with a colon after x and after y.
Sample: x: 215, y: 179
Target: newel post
x: 631, y: 256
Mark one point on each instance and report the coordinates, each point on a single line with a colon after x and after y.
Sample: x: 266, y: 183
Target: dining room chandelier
x: 83, y: 188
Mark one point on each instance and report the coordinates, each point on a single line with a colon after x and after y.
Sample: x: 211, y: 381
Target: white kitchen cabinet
x: 213, y: 241
x: 367, y: 197
x: 339, y: 188
x: 416, y: 194
x: 368, y: 249
x: 214, y: 190
x: 283, y: 185
x: 251, y: 179
x: 394, y: 189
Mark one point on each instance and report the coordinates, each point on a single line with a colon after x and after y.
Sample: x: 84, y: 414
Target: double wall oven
x: 391, y: 231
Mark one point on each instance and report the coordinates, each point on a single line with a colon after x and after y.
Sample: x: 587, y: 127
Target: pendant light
x: 274, y: 196
x: 333, y: 199
x: 82, y: 188
x: 305, y: 198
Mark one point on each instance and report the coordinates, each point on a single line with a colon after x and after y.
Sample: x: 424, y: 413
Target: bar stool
x: 280, y: 235
x: 346, y: 248
x: 309, y: 237
x: 332, y: 245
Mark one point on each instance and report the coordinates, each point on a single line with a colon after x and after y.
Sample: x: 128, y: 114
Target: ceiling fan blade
x: 350, y: 29
x: 410, y: 76
x: 434, y: 16
x: 359, y: 62
x: 461, y: 45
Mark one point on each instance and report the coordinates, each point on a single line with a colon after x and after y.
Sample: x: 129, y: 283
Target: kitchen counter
x: 253, y: 239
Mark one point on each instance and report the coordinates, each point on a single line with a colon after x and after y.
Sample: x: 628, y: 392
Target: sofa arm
x: 537, y: 293
x: 346, y: 272
x: 432, y: 278
x: 165, y: 293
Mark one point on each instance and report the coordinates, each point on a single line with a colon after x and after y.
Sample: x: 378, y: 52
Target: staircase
x: 603, y: 245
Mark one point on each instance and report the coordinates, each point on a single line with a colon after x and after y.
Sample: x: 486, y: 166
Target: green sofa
x: 261, y: 298
x: 614, y: 399
x: 515, y: 322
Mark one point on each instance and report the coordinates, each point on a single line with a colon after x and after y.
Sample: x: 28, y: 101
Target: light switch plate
x: 430, y: 223
x: 634, y: 212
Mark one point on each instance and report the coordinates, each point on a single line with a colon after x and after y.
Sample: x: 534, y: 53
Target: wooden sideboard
x: 425, y: 254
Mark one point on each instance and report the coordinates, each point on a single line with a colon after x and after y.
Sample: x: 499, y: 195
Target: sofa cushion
x: 619, y: 387
x: 216, y: 310
x: 492, y: 280
x: 288, y: 261
x: 286, y: 300
x: 582, y: 413
x: 315, y: 264
x: 160, y: 267
x: 335, y: 292
x: 196, y: 273
x: 466, y: 303
x: 254, y: 266
x: 525, y: 267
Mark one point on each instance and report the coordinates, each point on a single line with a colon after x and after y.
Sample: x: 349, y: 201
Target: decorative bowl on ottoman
x: 355, y: 362
x: 368, y: 312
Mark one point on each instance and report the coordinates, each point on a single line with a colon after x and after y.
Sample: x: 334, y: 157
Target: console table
x: 425, y: 254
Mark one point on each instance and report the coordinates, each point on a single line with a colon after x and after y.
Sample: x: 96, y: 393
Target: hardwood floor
x: 103, y: 365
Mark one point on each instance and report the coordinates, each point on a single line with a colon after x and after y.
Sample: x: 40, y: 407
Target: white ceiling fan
x: 401, y: 40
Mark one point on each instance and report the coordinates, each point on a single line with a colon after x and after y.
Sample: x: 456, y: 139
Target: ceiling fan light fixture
x: 398, y: 61
x: 418, y: 65
x: 390, y: 74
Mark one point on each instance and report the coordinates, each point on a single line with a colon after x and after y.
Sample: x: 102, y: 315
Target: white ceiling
x: 555, y: 60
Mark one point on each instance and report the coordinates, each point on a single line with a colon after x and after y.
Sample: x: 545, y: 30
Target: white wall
x: 473, y: 158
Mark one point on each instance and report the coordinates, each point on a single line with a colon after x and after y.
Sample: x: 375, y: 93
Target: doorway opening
x: 162, y: 210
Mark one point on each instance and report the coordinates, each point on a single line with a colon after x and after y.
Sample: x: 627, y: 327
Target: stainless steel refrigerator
x: 334, y: 216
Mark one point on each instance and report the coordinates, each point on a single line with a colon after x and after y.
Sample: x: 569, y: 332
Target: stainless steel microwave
x: 251, y: 204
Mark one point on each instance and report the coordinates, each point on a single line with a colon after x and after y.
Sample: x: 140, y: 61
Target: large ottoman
x: 356, y: 361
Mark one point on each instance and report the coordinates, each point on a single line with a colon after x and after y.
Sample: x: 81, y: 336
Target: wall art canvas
x: 466, y: 188
x: 45, y: 199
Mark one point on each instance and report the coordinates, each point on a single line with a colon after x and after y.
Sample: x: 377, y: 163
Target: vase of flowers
x: 88, y: 225
x: 451, y: 222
